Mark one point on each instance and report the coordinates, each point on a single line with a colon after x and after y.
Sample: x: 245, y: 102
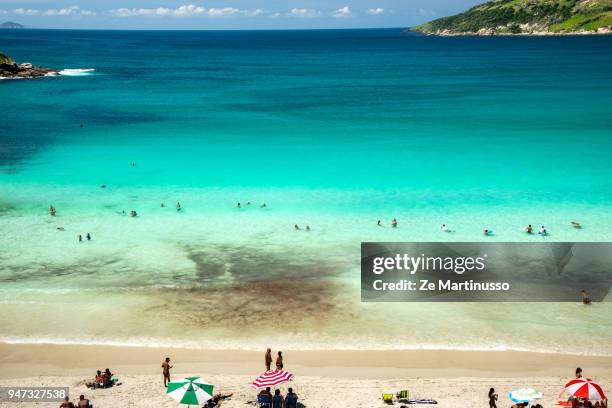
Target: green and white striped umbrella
x: 190, y: 391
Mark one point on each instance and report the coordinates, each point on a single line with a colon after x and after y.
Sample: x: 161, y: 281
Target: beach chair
x: 263, y: 401
x: 402, y: 395
x: 387, y: 398
x: 291, y: 402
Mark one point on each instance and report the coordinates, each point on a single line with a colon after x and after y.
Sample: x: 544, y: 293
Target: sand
x: 322, y: 378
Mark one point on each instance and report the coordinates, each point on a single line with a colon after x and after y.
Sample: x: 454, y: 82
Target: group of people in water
x: 248, y: 203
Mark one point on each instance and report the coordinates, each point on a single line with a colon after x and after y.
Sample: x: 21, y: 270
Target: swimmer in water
x: 379, y: 223
x: 80, y: 238
x: 60, y: 228
x: 248, y: 203
x: 443, y: 228
x: 88, y: 236
x: 263, y: 205
x: 178, y: 206
x: 528, y: 229
x: 576, y: 225
x: 162, y: 205
x: 308, y: 228
x: 52, y: 210
x: 296, y: 227
x: 543, y: 231
x: 238, y: 205
x: 133, y: 164
x: 102, y: 185
x: 394, y: 223
x: 487, y: 232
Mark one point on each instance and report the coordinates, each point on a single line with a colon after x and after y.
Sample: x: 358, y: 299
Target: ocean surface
x: 331, y: 129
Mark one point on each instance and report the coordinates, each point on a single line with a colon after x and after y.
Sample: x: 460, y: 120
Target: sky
x: 226, y: 14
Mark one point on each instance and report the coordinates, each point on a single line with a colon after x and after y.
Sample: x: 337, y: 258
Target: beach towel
x: 420, y: 401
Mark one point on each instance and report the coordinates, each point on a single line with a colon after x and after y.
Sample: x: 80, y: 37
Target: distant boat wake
x: 76, y: 72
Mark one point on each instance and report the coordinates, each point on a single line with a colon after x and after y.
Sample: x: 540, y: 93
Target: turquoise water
x: 332, y: 129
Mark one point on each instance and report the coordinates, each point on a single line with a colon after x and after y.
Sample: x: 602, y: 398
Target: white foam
x: 76, y: 71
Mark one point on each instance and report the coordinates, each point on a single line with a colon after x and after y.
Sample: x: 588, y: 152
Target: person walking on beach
x: 166, y: 371
x: 492, y: 398
x: 268, y: 358
x: 279, y: 361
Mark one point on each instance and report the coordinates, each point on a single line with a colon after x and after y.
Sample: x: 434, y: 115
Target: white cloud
x: 375, y: 11
x: 304, y: 13
x: 342, y: 12
x: 66, y: 11
x: 184, y: 11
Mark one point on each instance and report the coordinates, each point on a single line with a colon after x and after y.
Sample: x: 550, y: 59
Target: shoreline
x: 21, y: 360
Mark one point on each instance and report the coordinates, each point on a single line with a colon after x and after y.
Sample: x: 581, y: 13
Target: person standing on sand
x: 67, y: 403
x: 166, y: 371
x: 585, y: 297
x: 579, y: 372
x: 279, y: 361
x: 83, y: 402
x: 268, y: 358
x: 492, y: 398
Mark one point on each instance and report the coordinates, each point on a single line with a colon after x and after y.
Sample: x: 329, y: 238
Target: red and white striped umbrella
x: 271, y: 378
x: 585, y: 388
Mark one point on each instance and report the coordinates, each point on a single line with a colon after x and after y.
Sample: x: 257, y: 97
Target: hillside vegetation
x: 526, y: 17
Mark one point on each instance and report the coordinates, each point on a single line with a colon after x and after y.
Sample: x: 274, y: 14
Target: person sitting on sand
x: 266, y: 393
x: 83, y: 402
x: 576, y: 225
x: 108, y: 378
x: 492, y: 398
x: 99, y: 381
x: 277, y: 399
x: 279, y: 361
x: 529, y: 229
x: 166, y: 371
x: 67, y: 403
x: 394, y: 223
x: 585, y: 300
x: 291, y: 399
x: 543, y: 231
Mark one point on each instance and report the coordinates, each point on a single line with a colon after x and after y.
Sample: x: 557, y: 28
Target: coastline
x: 453, y: 378
x: 26, y: 360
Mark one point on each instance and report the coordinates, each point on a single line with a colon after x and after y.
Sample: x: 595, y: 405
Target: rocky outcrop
x: 10, y: 69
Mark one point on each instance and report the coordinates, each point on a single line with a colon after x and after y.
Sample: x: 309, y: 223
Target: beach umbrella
x: 190, y: 391
x: 272, y: 378
x: 585, y: 388
x: 525, y: 395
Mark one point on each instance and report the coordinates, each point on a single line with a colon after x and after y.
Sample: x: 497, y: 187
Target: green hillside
x: 526, y: 16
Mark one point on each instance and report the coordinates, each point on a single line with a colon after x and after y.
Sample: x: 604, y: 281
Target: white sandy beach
x: 322, y: 378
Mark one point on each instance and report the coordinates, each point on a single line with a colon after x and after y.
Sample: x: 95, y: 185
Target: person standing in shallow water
x: 279, y: 361
x: 166, y: 371
x: 268, y: 359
